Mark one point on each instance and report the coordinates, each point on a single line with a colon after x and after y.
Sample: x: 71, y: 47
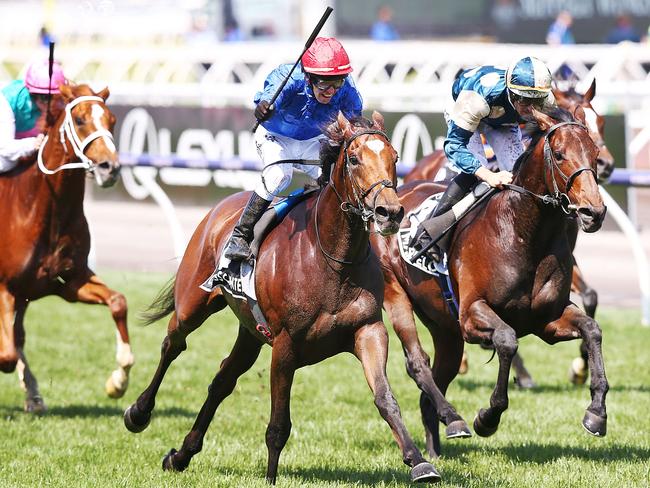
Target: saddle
x: 237, y: 278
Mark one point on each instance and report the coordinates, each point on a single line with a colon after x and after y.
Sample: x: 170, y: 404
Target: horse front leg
x: 371, y: 347
x: 481, y: 318
x: 94, y: 291
x: 33, y: 400
x: 434, y: 406
x: 574, y: 323
x: 241, y: 358
x: 8, y: 352
x: 277, y: 432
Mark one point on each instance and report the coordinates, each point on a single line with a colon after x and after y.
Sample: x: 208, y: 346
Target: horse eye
x: 79, y: 120
x: 558, y: 155
x: 354, y: 160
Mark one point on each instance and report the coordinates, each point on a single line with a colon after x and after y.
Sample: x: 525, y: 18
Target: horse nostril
x: 586, y: 213
x: 400, y: 214
x: 104, y: 165
x: 381, y: 212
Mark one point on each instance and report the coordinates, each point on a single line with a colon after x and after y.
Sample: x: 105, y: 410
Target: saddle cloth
x: 406, y: 234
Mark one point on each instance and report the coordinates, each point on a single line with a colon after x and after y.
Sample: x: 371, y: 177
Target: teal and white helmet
x: 529, y: 78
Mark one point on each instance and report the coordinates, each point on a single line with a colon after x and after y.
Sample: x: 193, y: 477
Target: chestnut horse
x: 46, y: 241
x: 510, y: 267
x: 427, y: 168
x: 317, y: 283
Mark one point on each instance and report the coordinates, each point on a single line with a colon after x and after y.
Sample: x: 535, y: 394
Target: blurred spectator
x: 560, y: 31
x: 232, y: 32
x: 200, y: 33
x: 44, y: 37
x: 504, y: 14
x: 623, y: 31
x: 383, y: 29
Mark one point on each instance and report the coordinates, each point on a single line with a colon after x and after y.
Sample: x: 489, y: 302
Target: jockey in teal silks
x: 21, y: 104
x: 292, y: 128
x: 489, y: 101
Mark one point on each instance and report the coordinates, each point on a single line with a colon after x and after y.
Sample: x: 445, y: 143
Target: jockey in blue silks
x: 292, y: 128
x: 489, y: 101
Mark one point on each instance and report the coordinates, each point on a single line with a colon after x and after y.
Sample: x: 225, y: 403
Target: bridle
x: 68, y: 131
x: 358, y: 206
x: 557, y: 198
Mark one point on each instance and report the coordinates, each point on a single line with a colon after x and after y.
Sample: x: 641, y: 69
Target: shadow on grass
x: 71, y: 411
x: 533, y: 452
x: 357, y: 477
x: 473, y: 385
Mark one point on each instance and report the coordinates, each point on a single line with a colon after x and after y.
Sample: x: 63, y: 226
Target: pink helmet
x: 326, y: 57
x: 37, y: 78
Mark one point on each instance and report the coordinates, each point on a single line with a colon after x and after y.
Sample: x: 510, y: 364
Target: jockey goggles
x: 535, y: 102
x: 326, y: 83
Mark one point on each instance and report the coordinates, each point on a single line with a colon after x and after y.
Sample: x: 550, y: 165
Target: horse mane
x: 533, y: 130
x: 330, y: 150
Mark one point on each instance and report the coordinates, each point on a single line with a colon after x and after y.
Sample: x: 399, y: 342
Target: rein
x: 359, y: 207
x: 558, y: 198
x: 69, y: 132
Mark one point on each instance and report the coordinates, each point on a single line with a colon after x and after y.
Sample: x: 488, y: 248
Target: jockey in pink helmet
x: 21, y: 104
x: 292, y: 128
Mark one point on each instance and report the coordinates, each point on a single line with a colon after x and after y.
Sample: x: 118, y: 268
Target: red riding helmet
x: 326, y: 57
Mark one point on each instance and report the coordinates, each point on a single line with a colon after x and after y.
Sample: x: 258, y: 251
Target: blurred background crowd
x: 203, y: 22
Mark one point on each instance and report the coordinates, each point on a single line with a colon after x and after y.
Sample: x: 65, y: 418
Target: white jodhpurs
x: 271, y: 148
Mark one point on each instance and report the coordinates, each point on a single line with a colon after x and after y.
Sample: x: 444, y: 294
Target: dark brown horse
x: 427, y: 168
x: 510, y: 266
x: 317, y: 283
x: 46, y: 241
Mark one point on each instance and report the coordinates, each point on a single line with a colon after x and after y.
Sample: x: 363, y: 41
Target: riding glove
x: 264, y: 110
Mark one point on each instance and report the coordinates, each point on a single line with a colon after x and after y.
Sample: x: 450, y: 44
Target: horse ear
x: 344, y: 125
x: 543, y: 121
x: 66, y: 92
x: 591, y: 93
x: 105, y: 93
x: 579, y: 114
x: 378, y: 120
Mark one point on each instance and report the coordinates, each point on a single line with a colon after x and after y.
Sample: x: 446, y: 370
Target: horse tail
x: 162, y: 305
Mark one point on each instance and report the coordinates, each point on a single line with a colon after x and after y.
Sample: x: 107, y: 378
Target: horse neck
x: 342, y: 234
x: 530, y: 216
x: 66, y: 188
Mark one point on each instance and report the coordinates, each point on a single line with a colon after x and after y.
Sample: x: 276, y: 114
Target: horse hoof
x: 132, y: 422
x: 168, y: 461
x: 578, y: 372
x: 425, y: 473
x: 594, y: 424
x: 35, y: 405
x: 525, y: 382
x: 458, y: 429
x: 482, y: 429
x: 113, y: 391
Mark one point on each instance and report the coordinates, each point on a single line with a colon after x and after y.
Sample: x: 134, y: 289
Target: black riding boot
x: 430, y: 231
x: 238, y: 247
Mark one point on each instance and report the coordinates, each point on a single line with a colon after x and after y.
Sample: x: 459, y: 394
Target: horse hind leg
x: 95, y: 291
x: 579, y: 371
x: 181, y: 324
x: 34, y: 402
x: 242, y: 357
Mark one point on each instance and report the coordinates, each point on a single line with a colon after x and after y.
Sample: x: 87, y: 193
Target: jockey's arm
x: 12, y: 149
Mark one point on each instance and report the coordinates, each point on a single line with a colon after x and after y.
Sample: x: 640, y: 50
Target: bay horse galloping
x: 317, y: 283
x: 44, y: 248
x: 427, y: 168
x: 510, y: 268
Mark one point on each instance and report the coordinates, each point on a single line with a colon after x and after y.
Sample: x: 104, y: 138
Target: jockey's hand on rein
x: 264, y: 110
